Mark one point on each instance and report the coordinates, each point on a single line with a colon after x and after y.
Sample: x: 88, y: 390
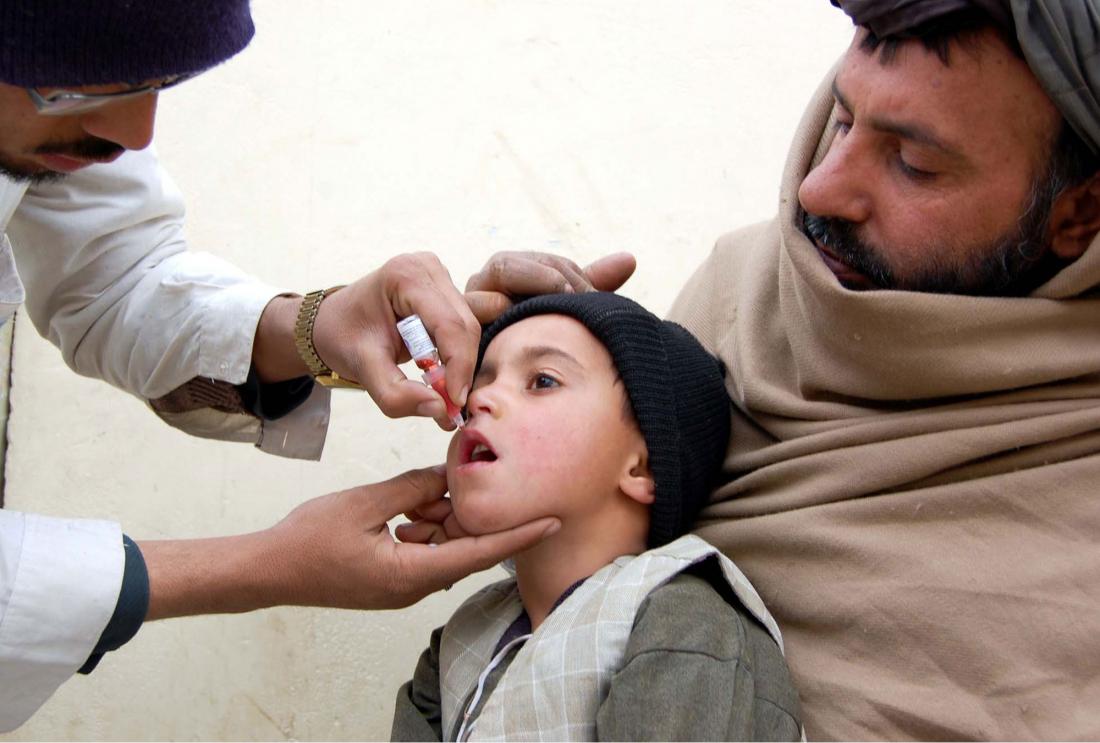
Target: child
x: 589, y: 408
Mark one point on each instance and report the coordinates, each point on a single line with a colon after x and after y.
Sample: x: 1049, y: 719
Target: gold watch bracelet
x: 303, y: 341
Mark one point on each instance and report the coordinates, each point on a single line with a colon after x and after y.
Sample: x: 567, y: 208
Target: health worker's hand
x: 355, y: 334
x: 510, y: 276
x: 334, y: 551
x: 433, y: 522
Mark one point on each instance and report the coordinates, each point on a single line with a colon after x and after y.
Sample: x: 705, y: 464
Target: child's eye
x: 543, y: 382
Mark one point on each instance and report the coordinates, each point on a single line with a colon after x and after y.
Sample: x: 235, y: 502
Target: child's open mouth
x: 474, y: 448
x: 482, y: 453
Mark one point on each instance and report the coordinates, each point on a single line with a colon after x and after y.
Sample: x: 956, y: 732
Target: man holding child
x: 913, y: 354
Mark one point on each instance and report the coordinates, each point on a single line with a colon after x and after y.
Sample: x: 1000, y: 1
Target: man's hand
x: 355, y: 334
x: 334, y: 551
x: 511, y: 275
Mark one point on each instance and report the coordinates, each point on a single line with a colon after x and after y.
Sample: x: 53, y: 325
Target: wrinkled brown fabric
x: 913, y: 485
x: 1060, y: 40
x: 199, y: 393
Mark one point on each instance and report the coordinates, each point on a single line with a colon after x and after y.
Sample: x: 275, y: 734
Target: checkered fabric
x: 554, y: 686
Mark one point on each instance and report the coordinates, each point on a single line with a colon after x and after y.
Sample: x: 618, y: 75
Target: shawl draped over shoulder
x: 912, y: 484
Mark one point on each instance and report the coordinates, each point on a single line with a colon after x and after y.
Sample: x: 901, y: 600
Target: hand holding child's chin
x: 434, y: 523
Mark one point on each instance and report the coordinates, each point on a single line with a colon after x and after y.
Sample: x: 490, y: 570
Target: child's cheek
x: 546, y: 448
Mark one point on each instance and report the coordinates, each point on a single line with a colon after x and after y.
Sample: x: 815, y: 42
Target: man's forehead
x: 921, y: 132
x: 1058, y: 38
x: 986, y: 91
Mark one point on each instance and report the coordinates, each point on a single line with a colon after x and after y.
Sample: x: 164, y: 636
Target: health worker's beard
x: 1012, y: 266
x: 90, y: 148
x: 20, y: 175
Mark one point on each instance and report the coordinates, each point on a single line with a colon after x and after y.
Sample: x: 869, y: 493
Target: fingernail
x: 553, y: 529
x: 430, y: 408
x: 568, y: 289
x: 439, y: 469
x: 461, y: 401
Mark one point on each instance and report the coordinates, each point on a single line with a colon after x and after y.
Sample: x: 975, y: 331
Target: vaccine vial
x: 426, y: 357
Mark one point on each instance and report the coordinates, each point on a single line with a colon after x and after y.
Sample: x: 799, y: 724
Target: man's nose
x: 840, y: 186
x: 128, y: 122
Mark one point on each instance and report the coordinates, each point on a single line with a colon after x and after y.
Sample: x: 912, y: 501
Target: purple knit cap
x: 67, y: 43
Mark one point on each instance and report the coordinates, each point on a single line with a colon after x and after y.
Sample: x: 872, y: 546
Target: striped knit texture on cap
x: 675, y: 387
x: 66, y: 43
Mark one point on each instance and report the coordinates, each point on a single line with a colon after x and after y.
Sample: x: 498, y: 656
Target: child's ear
x: 636, y: 481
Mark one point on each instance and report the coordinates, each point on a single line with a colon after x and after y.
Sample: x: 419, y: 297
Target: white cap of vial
x: 416, y: 337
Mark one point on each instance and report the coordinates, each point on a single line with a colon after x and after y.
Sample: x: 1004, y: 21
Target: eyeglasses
x: 66, y: 102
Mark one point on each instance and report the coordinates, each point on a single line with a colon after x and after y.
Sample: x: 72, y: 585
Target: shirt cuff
x: 58, y: 599
x: 130, y: 611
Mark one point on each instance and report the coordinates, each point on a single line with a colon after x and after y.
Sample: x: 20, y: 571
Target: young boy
x: 589, y: 408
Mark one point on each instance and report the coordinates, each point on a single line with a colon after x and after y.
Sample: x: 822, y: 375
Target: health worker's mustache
x: 91, y: 148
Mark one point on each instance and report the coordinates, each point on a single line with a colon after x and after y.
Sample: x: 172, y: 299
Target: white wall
x: 347, y: 132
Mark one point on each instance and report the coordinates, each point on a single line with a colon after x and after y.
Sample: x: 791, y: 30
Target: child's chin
x: 478, y: 516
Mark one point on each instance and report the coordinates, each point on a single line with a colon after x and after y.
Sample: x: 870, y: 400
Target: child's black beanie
x: 676, y: 388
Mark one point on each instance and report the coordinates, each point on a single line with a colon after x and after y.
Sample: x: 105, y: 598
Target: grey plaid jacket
x: 553, y: 687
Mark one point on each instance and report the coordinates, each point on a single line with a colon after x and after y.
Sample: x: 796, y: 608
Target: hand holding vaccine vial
x: 426, y: 357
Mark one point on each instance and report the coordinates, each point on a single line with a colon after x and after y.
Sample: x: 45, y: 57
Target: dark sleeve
x: 252, y: 397
x: 273, y: 401
x: 129, y: 614
x: 418, y: 714
x: 698, y: 667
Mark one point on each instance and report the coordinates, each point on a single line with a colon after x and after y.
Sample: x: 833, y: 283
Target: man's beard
x: 1012, y: 266
x: 90, y: 148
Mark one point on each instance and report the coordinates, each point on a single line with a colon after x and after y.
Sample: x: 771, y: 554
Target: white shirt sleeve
x: 110, y: 282
x: 59, y: 584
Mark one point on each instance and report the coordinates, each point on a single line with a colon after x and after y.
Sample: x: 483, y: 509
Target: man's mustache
x: 91, y: 148
x: 839, y: 236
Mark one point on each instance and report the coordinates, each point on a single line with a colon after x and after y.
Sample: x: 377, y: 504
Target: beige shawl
x: 913, y: 484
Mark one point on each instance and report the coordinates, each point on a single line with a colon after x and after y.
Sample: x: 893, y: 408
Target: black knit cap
x: 676, y: 390
x: 61, y: 43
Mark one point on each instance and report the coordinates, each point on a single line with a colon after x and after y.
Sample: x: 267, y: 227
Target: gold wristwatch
x: 303, y: 341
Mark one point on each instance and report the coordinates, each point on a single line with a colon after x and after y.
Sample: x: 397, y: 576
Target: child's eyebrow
x: 529, y: 355
x: 537, y: 353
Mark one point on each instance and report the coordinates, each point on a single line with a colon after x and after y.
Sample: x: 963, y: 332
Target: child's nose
x: 483, y: 400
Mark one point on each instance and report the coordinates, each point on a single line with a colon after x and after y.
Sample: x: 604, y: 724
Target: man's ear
x: 1075, y: 219
x: 636, y: 481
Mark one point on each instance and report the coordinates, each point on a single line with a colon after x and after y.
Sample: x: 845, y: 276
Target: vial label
x: 416, y: 337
